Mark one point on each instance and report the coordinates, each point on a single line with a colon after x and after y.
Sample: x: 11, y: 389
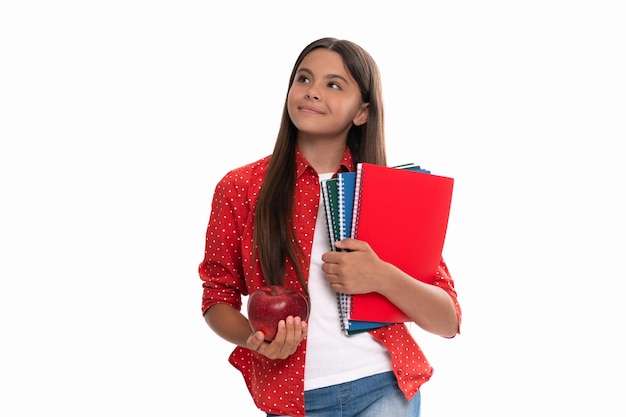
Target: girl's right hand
x: 290, y: 333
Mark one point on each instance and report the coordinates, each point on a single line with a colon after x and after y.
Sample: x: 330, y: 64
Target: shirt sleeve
x: 222, y: 267
x: 445, y: 281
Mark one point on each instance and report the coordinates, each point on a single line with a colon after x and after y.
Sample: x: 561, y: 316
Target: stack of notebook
x: 402, y: 212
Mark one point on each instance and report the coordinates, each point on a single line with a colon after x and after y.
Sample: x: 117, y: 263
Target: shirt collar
x: 302, y: 164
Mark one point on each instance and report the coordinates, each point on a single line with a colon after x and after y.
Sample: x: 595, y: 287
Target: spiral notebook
x: 403, y: 215
x: 339, y: 197
x: 330, y: 197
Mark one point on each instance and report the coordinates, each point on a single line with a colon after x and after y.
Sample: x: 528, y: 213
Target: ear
x: 361, y: 116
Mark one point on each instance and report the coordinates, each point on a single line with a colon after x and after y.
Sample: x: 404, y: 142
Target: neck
x: 325, y: 156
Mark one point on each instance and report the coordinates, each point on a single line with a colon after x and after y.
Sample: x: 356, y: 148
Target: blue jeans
x: 372, y: 396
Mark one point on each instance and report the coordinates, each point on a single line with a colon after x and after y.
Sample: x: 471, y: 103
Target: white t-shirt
x: 331, y: 356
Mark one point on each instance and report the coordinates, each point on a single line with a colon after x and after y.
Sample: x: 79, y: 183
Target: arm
x: 429, y: 306
x: 229, y: 324
x: 222, y: 273
x: 361, y: 271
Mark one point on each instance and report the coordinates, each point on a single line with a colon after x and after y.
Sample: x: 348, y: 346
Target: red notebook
x: 403, y: 215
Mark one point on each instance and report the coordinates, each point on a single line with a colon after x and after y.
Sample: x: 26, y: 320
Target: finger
x: 294, y: 334
x: 281, y: 333
x: 331, y: 257
x: 256, y: 341
x: 305, y: 329
x: 283, y: 342
x: 328, y: 267
x: 290, y: 330
x: 350, y: 244
x: 297, y: 329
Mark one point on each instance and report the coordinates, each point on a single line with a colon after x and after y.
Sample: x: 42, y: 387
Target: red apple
x: 270, y: 304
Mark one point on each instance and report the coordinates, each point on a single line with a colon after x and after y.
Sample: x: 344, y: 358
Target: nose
x: 311, y: 94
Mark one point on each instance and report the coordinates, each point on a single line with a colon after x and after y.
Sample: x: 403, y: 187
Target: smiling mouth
x: 309, y: 110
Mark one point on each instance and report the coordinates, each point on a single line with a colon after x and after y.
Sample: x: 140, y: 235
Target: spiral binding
x: 343, y: 319
x: 328, y: 212
x: 357, y: 195
x: 342, y: 207
x: 345, y: 300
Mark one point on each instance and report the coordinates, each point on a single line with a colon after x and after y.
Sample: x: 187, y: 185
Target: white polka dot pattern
x: 228, y: 271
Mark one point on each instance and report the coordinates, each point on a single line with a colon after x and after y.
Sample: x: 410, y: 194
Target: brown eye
x: 302, y: 79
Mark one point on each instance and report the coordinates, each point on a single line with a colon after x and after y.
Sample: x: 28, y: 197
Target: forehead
x: 322, y: 62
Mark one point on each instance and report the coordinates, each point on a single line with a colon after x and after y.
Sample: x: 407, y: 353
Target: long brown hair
x: 274, y: 232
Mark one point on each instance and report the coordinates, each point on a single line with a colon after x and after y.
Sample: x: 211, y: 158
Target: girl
x: 267, y: 227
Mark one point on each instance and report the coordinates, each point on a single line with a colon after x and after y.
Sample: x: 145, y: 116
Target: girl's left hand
x: 354, y: 269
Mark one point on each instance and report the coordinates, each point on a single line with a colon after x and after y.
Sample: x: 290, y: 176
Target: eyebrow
x: 328, y: 77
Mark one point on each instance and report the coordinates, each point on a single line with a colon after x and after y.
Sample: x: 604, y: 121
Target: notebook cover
x: 403, y: 215
x: 331, y: 209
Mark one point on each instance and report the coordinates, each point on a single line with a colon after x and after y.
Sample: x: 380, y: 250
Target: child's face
x: 324, y: 99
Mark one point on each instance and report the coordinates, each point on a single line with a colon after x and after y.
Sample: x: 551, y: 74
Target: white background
x: 117, y: 119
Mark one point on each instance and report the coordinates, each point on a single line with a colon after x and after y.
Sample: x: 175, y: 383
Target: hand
x: 290, y: 333
x: 355, y: 271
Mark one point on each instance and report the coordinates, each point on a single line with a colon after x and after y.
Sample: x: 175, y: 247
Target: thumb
x: 259, y: 338
x: 347, y: 244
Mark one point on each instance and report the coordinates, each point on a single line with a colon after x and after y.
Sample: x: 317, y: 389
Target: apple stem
x: 274, y: 290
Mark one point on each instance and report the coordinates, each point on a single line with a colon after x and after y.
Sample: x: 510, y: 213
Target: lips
x: 309, y: 110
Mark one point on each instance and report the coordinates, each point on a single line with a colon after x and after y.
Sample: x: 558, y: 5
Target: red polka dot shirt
x: 229, y: 271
